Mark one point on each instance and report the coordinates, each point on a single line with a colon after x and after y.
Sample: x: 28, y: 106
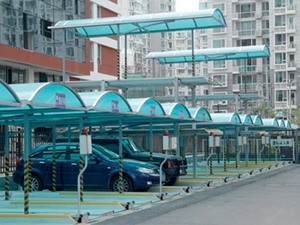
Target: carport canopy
x: 214, y: 54
x: 140, y: 24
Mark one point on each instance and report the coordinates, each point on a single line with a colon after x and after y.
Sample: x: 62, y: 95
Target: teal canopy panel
x: 232, y: 118
x: 148, y: 106
x: 200, y: 113
x: 287, y: 124
x: 281, y: 123
x: 176, y: 110
x: 270, y: 122
x: 8, y: 96
x: 105, y: 100
x: 257, y: 120
x: 140, y: 24
x: 214, y: 54
x: 246, y: 119
x: 53, y: 95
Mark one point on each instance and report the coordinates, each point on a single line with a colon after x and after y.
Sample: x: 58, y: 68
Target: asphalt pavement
x: 271, y: 198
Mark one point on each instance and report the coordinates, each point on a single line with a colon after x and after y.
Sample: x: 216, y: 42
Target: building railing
x: 248, y: 87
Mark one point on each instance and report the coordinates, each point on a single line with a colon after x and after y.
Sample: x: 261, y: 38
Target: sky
x: 187, y: 5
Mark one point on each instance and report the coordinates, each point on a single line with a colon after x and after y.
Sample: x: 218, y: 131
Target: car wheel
x: 172, y: 181
x: 127, y: 184
x: 36, y: 183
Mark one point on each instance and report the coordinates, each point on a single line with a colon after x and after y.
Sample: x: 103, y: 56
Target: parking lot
x: 61, y: 207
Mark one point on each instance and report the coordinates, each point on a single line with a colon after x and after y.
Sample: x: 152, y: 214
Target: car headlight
x: 146, y: 170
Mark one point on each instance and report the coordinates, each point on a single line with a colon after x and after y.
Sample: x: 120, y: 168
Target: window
x: 246, y: 10
x: 220, y: 6
x: 246, y: 42
x: 265, y: 26
x: 281, y: 96
x: 280, y: 39
x: 266, y: 41
x: 218, y: 30
x: 221, y: 79
x: 219, y: 43
x: 205, y: 71
x: 99, y: 54
x: 162, y: 44
x: 280, y: 77
x: 279, y: 3
x: 265, y: 8
x: 45, y: 31
x: 219, y: 64
x: 91, y: 51
x: 280, y: 58
x: 246, y: 28
x: 203, y: 5
x: 280, y: 20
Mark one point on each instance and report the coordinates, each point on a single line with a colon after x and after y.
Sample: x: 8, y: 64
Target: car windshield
x: 133, y: 146
x: 105, y: 152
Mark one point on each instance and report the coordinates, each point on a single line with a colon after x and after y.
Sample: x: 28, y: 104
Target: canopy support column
x: 193, y: 88
x: 27, y: 141
x: 6, y: 163
x: 125, y: 58
x: 224, y: 149
x: 176, y: 89
x: 195, y: 155
x: 118, y: 52
x: 54, y: 159
x: 296, y: 147
x: 120, y: 182
x: 176, y: 134
x: 151, y: 142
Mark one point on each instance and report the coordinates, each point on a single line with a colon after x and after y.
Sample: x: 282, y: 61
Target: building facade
x: 270, y: 22
x: 31, y: 52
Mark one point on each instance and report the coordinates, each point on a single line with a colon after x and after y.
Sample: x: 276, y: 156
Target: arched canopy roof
x: 199, y: 113
x: 139, y: 24
x: 270, y: 122
x: 147, y: 106
x: 105, y: 100
x: 176, y: 110
x: 213, y: 54
x: 287, y: 124
x: 246, y: 119
x: 8, y: 97
x: 232, y: 118
x: 256, y: 120
x: 48, y: 95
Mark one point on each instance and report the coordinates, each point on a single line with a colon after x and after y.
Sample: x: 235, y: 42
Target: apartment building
x: 270, y: 22
x: 31, y: 52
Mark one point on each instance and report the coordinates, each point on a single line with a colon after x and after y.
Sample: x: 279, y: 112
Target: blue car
x: 102, y: 171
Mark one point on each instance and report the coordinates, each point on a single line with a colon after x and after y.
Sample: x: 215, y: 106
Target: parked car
x: 174, y: 167
x: 102, y: 170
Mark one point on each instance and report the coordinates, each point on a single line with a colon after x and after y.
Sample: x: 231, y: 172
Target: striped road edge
x: 37, y: 216
x: 70, y: 203
x: 112, y: 194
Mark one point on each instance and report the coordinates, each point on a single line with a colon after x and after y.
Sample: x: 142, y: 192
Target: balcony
x: 280, y: 29
x: 280, y: 10
x: 281, y: 105
x: 280, y: 48
x: 245, y: 88
x: 292, y: 66
x: 280, y: 66
x: 291, y: 47
x: 291, y: 9
x: 291, y: 28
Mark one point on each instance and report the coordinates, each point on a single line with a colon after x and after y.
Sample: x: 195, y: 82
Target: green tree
x: 295, y: 116
x: 262, y: 109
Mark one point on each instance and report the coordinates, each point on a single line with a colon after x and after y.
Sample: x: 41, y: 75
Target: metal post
x: 125, y: 58
x: 64, y: 55
x: 224, y: 149
x: 151, y: 142
x: 118, y: 52
x: 257, y: 150
x: 296, y: 147
x: 27, y: 137
x: 6, y: 163
x: 247, y: 152
x: 193, y: 54
x: 236, y: 148
x: 193, y: 88
x: 176, y: 134
x: 79, y: 192
x: 195, y: 155
x: 81, y: 161
x: 120, y: 157
x: 54, y: 159
x: 176, y: 89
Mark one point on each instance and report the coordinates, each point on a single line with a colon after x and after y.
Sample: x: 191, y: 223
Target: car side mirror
x: 95, y: 159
